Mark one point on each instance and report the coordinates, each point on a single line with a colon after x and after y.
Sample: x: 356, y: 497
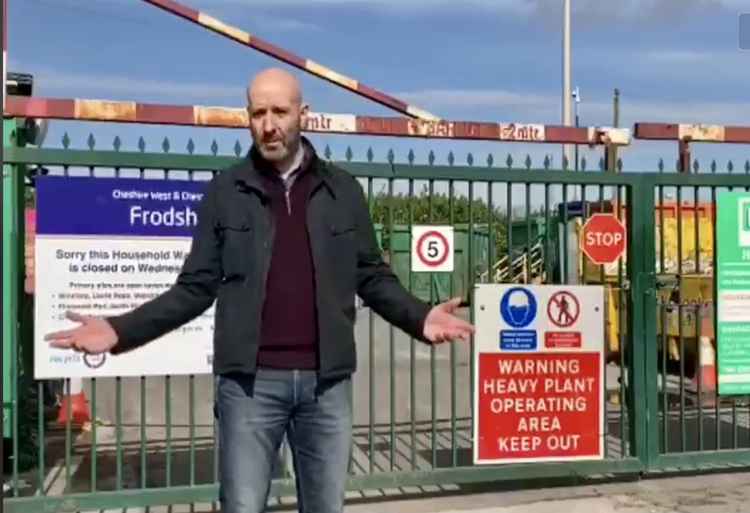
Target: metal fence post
x: 8, y: 127
x: 642, y: 394
x: 15, y: 422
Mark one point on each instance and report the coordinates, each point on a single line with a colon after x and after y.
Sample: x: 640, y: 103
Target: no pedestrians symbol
x: 563, y: 309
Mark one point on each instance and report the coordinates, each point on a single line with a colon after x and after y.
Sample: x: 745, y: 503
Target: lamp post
x: 576, y: 100
x: 566, y: 93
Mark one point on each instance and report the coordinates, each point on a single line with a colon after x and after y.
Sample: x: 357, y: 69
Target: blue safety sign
x: 518, y: 309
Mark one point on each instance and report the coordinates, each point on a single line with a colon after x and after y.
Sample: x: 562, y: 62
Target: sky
x: 479, y: 60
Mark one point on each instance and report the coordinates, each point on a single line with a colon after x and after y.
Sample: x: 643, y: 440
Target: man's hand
x: 442, y: 325
x: 93, y: 336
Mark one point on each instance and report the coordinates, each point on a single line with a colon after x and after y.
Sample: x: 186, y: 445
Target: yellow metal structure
x: 686, y: 236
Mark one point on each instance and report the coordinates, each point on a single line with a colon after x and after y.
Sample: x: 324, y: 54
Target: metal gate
x: 153, y: 438
x: 696, y: 428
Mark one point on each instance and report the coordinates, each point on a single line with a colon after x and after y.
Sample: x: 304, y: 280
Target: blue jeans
x: 253, y: 416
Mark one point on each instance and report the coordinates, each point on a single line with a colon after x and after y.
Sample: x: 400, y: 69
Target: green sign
x: 733, y: 292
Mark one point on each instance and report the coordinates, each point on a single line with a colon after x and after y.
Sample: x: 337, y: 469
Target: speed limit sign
x: 432, y: 248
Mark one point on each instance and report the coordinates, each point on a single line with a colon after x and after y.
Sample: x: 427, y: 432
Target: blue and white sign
x: 518, y: 309
x: 117, y: 206
x: 105, y: 246
x: 538, y: 318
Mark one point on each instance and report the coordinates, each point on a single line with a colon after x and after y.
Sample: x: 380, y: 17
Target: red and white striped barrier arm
x: 196, y: 115
x: 693, y: 132
x: 307, y: 65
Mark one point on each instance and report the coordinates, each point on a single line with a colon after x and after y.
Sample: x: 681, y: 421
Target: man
x: 284, y: 242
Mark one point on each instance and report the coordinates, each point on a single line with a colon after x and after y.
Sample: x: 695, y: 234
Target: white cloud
x: 670, y: 68
x: 472, y: 98
x: 680, y: 56
x: 634, y: 10
x: 53, y: 82
x: 283, y: 24
x: 688, y: 111
x: 514, y: 6
x: 547, y: 106
x: 585, y: 9
x: 739, y: 5
x: 223, y: 9
x: 729, y: 65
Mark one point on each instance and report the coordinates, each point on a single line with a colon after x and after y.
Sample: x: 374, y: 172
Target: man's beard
x: 281, y: 150
x: 275, y: 154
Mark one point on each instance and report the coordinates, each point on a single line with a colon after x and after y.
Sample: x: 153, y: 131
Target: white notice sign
x: 105, y: 246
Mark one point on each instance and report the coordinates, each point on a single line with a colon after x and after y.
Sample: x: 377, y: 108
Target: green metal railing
x: 153, y: 438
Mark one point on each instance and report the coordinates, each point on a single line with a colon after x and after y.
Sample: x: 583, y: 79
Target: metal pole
x: 612, y: 150
x: 684, y: 150
x: 566, y: 93
x: 5, y: 388
x: 616, y: 101
x: 576, y: 101
x: 576, y: 153
x: 5, y: 48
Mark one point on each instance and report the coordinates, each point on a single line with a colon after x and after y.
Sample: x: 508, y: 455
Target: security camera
x: 35, y: 131
x: 19, y: 84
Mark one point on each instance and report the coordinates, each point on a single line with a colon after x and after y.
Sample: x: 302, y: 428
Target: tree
x: 437, y: 210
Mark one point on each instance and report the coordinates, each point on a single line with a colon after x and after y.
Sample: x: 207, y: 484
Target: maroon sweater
x: 289, y: 331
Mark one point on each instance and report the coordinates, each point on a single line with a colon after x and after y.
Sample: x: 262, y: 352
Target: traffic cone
x: 706, y: 373
x: 75, y: 403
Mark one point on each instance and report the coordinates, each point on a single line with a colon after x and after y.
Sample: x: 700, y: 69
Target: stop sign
x: 603, y: 239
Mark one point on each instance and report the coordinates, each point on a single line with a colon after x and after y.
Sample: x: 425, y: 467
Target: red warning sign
x: 535, y: 407
x: 562, y: 339
x: 563, y: 309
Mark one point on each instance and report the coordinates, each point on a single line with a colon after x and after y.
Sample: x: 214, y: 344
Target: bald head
x: 277, y: 114
x: 276, y: 81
